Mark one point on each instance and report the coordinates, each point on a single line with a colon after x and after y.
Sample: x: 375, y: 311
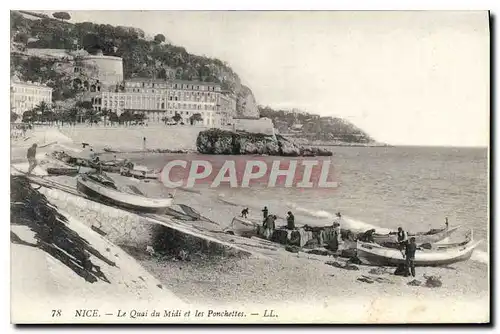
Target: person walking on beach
x: 244, y: 212
x: 290, y: 221
x: 411, y: 248
x: 265, y: 212
x: 31, y: 155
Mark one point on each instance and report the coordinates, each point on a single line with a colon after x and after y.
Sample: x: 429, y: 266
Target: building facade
x: 25, y: 96
x: 161, y: 100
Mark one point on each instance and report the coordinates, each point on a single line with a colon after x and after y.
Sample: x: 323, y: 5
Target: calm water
x: 414, y: 187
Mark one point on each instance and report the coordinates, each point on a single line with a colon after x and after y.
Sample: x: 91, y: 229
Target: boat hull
x: 62, y: 170
x: 120, y: 199
x: 243, y: 227
x: 373, y: 254
x: 419, y: 238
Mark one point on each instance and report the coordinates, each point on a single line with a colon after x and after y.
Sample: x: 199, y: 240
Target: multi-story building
x: 25, y: 96
x: 159, y: 100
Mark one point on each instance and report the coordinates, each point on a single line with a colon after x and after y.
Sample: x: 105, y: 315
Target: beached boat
x: 139, y: 172
x: 374, y: 254
x: 103, y: 188
x: 431, y: 236
x: 243, y: 227
x: 62, y: 170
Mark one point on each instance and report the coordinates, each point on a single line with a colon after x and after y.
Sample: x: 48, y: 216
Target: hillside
x: 313, y: 127
x: 156, y: 57
x: 141, y: 57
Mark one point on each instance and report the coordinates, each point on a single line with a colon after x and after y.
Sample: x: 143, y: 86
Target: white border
x: 189, y: 5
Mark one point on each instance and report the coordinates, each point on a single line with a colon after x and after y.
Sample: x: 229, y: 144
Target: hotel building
x: 161, y: 99
x: 25, y: 96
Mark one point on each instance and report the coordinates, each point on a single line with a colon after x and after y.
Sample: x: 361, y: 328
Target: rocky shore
x: 216, y: 141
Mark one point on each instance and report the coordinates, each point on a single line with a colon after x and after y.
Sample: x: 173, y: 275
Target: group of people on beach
x: 269, y: 220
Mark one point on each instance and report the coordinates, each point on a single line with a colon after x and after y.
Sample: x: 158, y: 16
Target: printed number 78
x: 56, y: 313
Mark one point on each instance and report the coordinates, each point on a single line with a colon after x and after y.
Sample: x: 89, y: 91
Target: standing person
x: 244, y: 212
x: 338, y: 218
x: 446, y: 222
x: 265, y: 213
x: 290, y: 221
x: 411, y: 248
x: 337, y: 227
x: 31, y: 155
x: 368, y: 236
x: 402, y: 238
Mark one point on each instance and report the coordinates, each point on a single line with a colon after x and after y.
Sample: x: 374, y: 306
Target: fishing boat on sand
x: 431, y: 236
x: 139, y: 172
x: 243, y: 227
x: 103, y: 188
x: 440, y: 255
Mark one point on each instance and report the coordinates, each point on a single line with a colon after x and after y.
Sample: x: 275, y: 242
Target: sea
x: 381, y: 188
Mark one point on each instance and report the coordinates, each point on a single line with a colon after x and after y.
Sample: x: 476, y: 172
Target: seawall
x: 182, y: 137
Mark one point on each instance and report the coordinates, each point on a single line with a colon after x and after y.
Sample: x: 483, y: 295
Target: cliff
x: 215, y: 141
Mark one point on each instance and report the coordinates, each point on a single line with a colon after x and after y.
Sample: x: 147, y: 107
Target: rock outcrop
x: 216, y: 141
x: 246, y: 105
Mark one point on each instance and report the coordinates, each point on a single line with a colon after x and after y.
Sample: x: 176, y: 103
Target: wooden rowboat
x: 243, y: 227
x: 103, y: 188
x: 374, y: 254
x: 432, y: 236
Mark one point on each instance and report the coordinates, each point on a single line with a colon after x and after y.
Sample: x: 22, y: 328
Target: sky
x: 406, y: 78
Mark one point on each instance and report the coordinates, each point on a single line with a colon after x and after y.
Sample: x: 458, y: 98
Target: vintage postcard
x: 249, y: 167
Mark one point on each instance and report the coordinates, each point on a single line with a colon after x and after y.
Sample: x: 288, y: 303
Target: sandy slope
x: 41, y: 282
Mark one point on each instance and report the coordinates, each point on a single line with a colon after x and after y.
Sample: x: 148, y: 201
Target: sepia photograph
x: 249, y: 167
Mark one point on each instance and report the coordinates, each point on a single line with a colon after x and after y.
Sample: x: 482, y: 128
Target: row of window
x: 171, y: 85
x: 32, y: 91
x: 160, y: 106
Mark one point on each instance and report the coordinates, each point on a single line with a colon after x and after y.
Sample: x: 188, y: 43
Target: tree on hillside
x: 21, y: 38
x: 63, y: 16
x: 177, y: 118
x: 195, y: 118
x: 160, y: 38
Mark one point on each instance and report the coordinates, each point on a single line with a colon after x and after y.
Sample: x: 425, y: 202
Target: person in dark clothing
x: 31, y: 155
x: 265, y: 212
x: 244, y: 212
x: 446, y: 222
x: 411, y: 248
x: 290, y: 221
x: 402, y: 238
x: 368, y: 236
